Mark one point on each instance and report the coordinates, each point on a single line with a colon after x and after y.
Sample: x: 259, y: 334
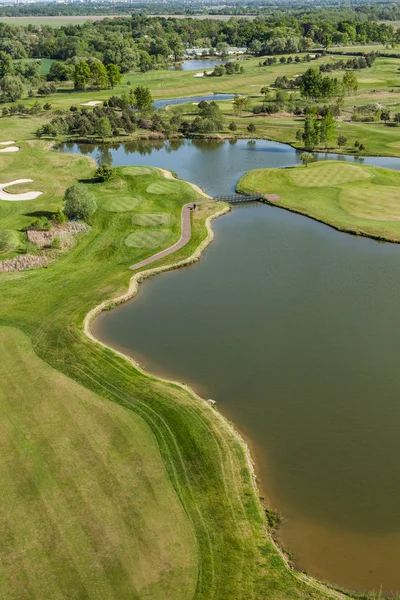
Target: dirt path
x: 185, y: 236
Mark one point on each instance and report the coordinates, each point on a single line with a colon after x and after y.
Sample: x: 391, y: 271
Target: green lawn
x: 358, y: 199
x: 84, y: 492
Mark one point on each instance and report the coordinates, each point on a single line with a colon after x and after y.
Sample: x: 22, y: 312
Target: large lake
x: 294, y: 329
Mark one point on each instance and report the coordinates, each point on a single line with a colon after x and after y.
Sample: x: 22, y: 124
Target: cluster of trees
x: 358, y: 62
x: 143, y: 43
x: 21, y: 109
x: 15, y: 76
x: 92, y: 73
x: 229, y: 68
x: 314, y: 85
x: 317, y: 130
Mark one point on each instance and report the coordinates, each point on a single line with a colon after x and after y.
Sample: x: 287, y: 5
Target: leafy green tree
x: 306, y: 158
x: 6, y: 64
x: 350, y: 82
x: 265, y: 91
x: 98, y: 75
x: 114, y: 75
x: 103, y: 127
x: 311, y: 130
x: 175, y: 43
x: 385, y: 115
x: 327, y: 127
x: 81, y: 75
x: 61, y: 71
x: 11, y: 88
x: 78, y: 203
x: 104, y: 172
x: 232, y: 126
x: 341, y: 141
x: 240, y: 103
x: 142, y: 98
x: 251, y: 128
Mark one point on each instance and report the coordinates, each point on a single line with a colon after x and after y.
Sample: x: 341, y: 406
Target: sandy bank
x: 17, y: 197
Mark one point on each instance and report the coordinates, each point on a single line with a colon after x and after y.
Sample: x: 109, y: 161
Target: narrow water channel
x: 294, y: 329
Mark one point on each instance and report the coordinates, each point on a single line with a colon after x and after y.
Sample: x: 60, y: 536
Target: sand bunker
x: 17, y: 197
x: 10, y: 149
x: 92, y: 103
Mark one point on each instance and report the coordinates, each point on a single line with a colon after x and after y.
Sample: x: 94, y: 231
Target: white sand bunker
x: 17, y: 197
x: 92, y: 103
x: 10, y: 148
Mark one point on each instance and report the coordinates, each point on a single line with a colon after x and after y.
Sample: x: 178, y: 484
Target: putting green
x: 121, y: 204
x: 164, y: 187
x: 150, y: 238
x: 152, y: 219
x: 325, y: 174
x: 377, y: 202
x: 8, y: 240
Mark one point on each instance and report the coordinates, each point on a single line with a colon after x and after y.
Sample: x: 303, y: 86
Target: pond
x: 193, y: 100
x: 197, y: 64
x: 294, y: 329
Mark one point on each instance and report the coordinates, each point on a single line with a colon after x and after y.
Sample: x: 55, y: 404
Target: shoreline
x: 133, y: 289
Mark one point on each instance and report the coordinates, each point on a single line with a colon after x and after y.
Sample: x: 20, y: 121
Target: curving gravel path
x: 185, y: 236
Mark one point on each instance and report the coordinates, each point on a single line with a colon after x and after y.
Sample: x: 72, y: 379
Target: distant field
x: 55, y: 21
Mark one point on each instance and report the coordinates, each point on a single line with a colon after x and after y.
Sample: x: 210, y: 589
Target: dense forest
x: 143, y: 43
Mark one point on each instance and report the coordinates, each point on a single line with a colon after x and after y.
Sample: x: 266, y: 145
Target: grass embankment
x: 123, y: 483
x: 357, y: 199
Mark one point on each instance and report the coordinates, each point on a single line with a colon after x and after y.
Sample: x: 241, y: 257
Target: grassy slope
x: 358, y: 199
x: 203, y: 458
x: 84, y: 492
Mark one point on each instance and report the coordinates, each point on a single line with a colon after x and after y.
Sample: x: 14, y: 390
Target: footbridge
x: 235, y: 198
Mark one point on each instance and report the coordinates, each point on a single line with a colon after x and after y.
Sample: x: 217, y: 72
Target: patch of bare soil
x: 272, y: 197
x: 65, y: 232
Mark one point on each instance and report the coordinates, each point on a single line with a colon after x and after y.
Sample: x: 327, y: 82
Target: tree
x: 232, y: 126
x: 81, y: 75
x: 239, y: 104
x: 265, y: 91
x: 175, y: 43
x: 11, y: 88
x: 251, y: 128
x: 114, y: 75
x: 350, y: 82
x: 103, y: 127
x: 306, y: 158
x: 385, y: 115
x: 6, y: 64
x: 327, y: 127
x: 341, y: 141
x: 104, y: 172
x: 98, y: 75
x: 311, y: 130
x: 143, y: 98
x: 396, y: 118
x: 78, y: 203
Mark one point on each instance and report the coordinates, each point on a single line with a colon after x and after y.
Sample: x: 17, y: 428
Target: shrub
x: 251, y: 128
x: 232, y: 126
x: 79, y: 204
x: 60, y: 217
x: 341, y: 141
x: 56, y: 243
x: 42, y: 223
x: 104, y: 172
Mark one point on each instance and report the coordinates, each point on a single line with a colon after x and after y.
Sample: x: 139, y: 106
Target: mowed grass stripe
x: 80, y: 470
